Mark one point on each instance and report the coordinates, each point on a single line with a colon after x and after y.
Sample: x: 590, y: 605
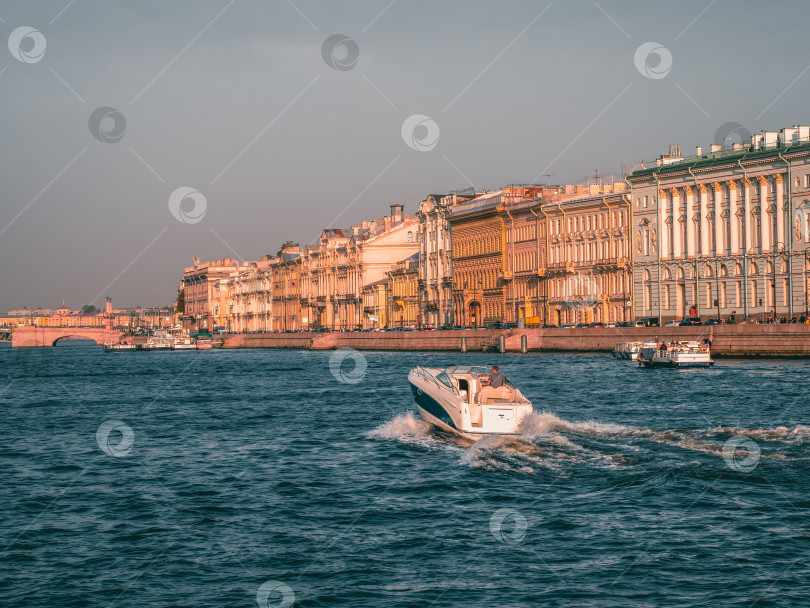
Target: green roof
x: 718, y: 158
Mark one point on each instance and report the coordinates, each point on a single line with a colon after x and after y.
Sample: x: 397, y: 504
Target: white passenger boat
x: 627, y: 350
x: 184, y: 343
x: 459, y: 400
x: 159, y: 341
x: 116, y: 347
x: 675, y: 354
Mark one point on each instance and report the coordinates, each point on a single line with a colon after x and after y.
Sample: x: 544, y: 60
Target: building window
x: 807, y: 180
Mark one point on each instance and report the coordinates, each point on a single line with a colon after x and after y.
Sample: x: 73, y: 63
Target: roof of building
x: 768, y: 148
x: 488, y: 199
x: 337, y: 233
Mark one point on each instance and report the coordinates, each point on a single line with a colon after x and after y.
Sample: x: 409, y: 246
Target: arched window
x: 410, y: 237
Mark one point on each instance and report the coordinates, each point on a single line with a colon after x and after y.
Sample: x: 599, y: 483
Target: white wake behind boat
x: 459, y: 400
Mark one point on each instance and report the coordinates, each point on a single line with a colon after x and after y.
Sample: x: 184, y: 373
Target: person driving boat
x: 497, y: 379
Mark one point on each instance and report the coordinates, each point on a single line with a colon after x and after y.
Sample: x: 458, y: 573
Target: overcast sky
x: 237, y: 100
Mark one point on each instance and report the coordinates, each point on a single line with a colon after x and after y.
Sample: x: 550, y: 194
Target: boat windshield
x: 468, y: 369
x: 475, y: 370
x: 445, y: 379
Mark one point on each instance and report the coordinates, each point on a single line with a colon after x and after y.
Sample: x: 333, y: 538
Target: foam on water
x: 546, y: 441
x: 407, y: 428
x: 545, y: 422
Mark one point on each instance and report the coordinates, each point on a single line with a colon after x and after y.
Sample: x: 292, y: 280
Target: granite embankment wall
x: 729, y: 340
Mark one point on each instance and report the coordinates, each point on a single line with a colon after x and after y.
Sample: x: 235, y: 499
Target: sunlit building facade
x: 335, y: 271
x: 589, y: 259
x: 498, y: 244
x: 403, y: 293
x: 725, y: 231
x: 204, y: 287
x: 436, y: 258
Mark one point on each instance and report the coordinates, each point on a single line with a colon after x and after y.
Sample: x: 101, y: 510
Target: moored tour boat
x: 159, y: 341
x: 627, y: 350
x: 459, y: 400
x: 203, y: 341
x: 184, y: 343
x: 675, y: 354
x: 116, y: 347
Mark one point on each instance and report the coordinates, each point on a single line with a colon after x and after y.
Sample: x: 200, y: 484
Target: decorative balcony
x: 561, y: 268
x: 606, y: 264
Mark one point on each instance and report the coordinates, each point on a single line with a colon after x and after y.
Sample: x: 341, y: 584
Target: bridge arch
x: 33, y: 336
x: 77, y: 336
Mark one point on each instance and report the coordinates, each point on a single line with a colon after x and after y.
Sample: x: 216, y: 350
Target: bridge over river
x: 29, y: 335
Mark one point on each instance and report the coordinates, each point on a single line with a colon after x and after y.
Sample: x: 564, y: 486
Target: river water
x: 244, y: 478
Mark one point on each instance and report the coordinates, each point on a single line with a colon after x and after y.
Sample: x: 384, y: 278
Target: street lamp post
x: 717, y: 285
x: 773, y: 284
x: 473, y: 312
x: 697, y: 287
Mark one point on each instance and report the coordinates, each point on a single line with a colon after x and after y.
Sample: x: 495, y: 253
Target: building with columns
x: 264, y: 295
x: 724, y: 231
x: 588, y: 276
x: 498, y: 244
x: 436, y: 258
x: 204, y: 287
x: 334, y: 272
x: 403, y: 293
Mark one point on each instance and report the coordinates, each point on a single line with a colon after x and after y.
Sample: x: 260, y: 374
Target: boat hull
x: 450, y: 412
x: 119, y: 348
x: 675, y: 364
x: 436, y: 414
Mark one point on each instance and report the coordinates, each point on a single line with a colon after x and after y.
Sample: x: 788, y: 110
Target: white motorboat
x: 459, y: 400
x: 675, y: 354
